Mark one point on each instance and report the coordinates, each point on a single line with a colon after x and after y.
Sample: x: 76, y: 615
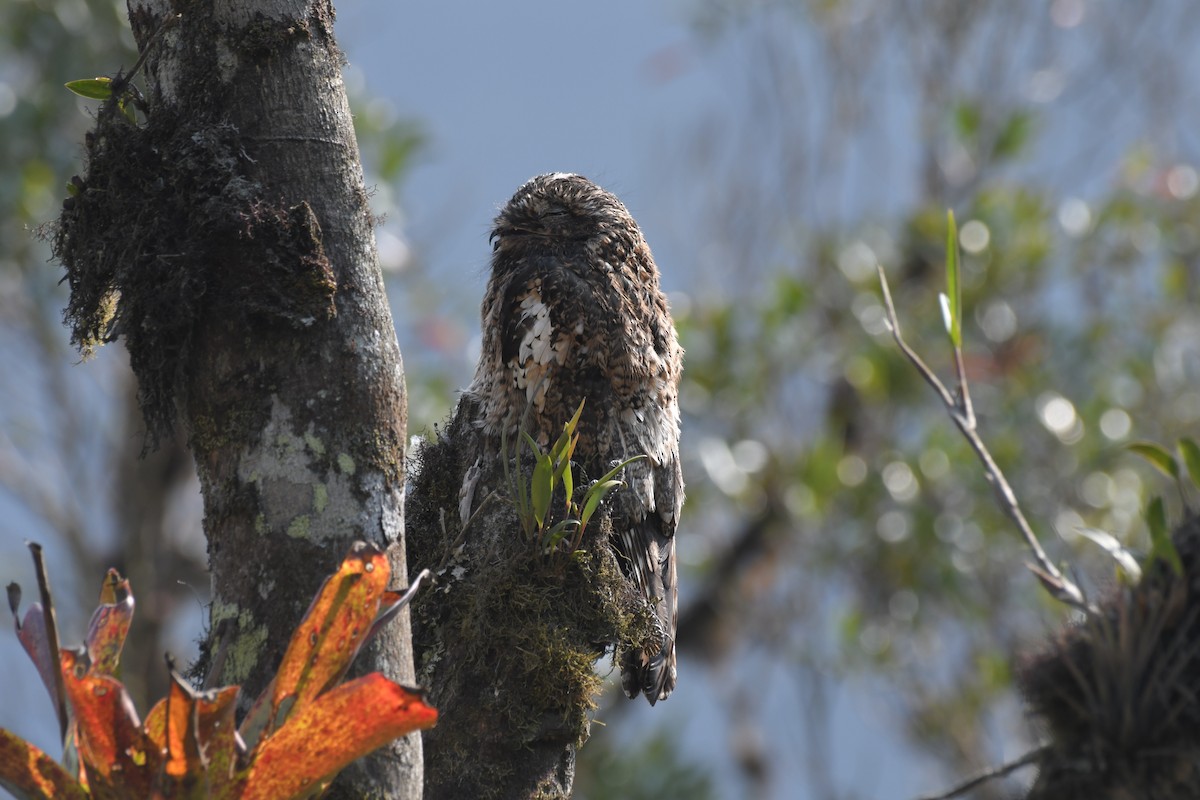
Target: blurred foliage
x: 869, y: 546
x: 653, y: 770
x: 1075, y: 343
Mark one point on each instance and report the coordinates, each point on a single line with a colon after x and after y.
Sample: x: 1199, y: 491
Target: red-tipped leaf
x: 118, y: 757
x: 110, y: 624
x: 323, y: 736
x: 328, y: 638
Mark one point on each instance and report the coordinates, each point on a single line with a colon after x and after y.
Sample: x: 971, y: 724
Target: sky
x: 505, y: 92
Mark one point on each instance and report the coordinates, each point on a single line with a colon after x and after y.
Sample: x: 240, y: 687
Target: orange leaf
x: 110, y: 624
x: 155, y: 726
x: 182, y: 750
x: 325, y: 735
x: 328, y: 638
x: 197, y: 734
x: 118, y: 756
x: 26, y: 771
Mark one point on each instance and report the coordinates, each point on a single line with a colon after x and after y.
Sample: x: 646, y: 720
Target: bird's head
x: 557, y: 209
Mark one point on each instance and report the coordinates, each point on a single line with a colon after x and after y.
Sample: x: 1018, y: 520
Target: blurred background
x: 853, y: 603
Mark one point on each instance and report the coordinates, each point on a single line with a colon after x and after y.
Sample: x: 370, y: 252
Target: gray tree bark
x: 227, y: 237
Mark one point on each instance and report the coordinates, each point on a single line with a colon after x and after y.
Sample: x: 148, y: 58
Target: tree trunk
x: 227, y: 237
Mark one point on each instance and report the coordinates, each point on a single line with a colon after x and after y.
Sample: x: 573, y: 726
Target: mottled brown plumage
x: 573, y: 311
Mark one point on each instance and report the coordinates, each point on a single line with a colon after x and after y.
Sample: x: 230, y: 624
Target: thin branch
x: 964, y: 392
x: 992, y: 774
x: 909, y: 353
x: 121, y: 81
x: 961, y: 412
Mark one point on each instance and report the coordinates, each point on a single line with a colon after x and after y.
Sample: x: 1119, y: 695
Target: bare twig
x: 961, y: 412
x: 992, y: 774
x: 122, y: 81
x: 964, y: 392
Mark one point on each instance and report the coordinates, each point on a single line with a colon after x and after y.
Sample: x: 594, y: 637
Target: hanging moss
x: 166, y: 228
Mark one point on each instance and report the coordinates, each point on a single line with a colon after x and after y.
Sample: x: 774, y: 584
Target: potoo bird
x: 573, y: 312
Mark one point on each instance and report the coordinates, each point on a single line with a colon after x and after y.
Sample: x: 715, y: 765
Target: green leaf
x: 1124, y: 558
x: 561, y: 458
x: 595, y: 496
x: 1015, y: 134
x: 541, y: 488
x: 574, y: 423
x: 568, y: 481
x: 564, y: 440
x: 952, y: 306
x: 91, y: 88
x: 1161, y: 545
x: 516, y: 485
x: 967, y: 120
x: 612, y: 472
x: 1190, y: 452
x: 1158, y: 456
x: 558, y: 533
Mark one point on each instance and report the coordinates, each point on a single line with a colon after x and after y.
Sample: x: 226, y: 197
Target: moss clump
x: 1117, y: 693
x: 507, y: 639
x: 157, y: 238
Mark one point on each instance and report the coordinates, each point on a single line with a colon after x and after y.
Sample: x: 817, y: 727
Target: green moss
x: 300, y: 527
x: 346, y: 463
x: 289, y: 444
x: 320, y: 497
x: 507, y: 641
x: 314, y: 444
x: 153, y: 245
x: 246, y: 644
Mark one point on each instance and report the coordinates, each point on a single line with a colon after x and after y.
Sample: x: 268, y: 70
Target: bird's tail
x: 651, y: 671
x: 652, y: 675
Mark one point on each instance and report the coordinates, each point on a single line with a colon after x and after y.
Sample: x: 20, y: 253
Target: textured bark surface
x: 261, y: 320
